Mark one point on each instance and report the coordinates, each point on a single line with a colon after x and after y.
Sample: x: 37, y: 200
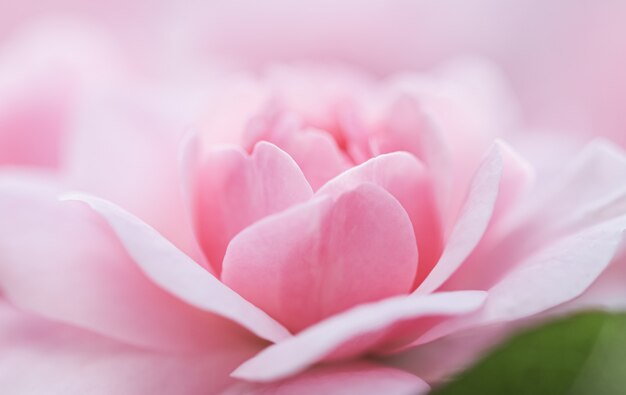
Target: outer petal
x: 42, y: 357
x: 546, y: 279
x: 591, y: 191
x: 344, y: 379
x: 555, y: 274
x: 442, y: 358
x: 472, y: 223
x: 63, y: 262
x: 175, y: 272
x: 324, y: 256
x: 234, y: 190
x: 518, y: 177
x: 125, y: 154
x: 353, y: 332
x: 403, y: 176
x: 492, y: 187
x: 608, y: 291
x: 588, y: 192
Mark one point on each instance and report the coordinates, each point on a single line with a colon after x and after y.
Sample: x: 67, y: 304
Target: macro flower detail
x: 331, y: 229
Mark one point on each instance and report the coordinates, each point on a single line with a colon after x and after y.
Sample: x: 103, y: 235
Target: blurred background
x: 565, y: 59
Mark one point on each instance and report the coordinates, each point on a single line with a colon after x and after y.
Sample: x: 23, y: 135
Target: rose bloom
x: 310, y: 230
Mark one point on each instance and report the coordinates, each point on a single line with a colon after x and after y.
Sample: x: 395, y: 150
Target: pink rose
x: 356, y: 235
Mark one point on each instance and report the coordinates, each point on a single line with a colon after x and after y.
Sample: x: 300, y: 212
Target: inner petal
x: 316, y: 151
x: 235, y: 189
x: 324, y: 256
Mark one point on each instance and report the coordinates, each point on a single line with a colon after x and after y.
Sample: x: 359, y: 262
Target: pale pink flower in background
x: 316, y: 230
x: 564, y: 58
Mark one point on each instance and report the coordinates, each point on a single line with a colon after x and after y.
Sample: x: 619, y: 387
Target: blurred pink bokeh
x: 565, y: 60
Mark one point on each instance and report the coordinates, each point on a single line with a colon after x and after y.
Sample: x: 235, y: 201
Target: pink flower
x: 354, y: 236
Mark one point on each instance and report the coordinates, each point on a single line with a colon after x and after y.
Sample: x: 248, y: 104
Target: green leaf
x: 583, y: 354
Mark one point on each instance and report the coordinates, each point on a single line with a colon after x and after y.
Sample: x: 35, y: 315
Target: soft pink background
x: 565, y: 58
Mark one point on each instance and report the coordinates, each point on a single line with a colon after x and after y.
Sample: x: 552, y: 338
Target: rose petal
x: 316, y: 93
x: 441, y: 359
x: 591, y: 191
x: 178, y: 274
x: 517, y: 178
x: 229, y: 106
x: 607, y: 292
x: 354, y: 378
x: 130, y: 157
x: 364, y: 322
x: 595, y: 181
x: 188, y: 154
x: 314, y: 150
x: 324, y: 256
x: 63, y: 262
x: 405, y: 127
x: 317, y: 155
x: 555, y: 274
x: 403, y: 176
x: 43, y: 357
x: 497, y: 171
x: 234, y: 190
x: 551, y: 276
